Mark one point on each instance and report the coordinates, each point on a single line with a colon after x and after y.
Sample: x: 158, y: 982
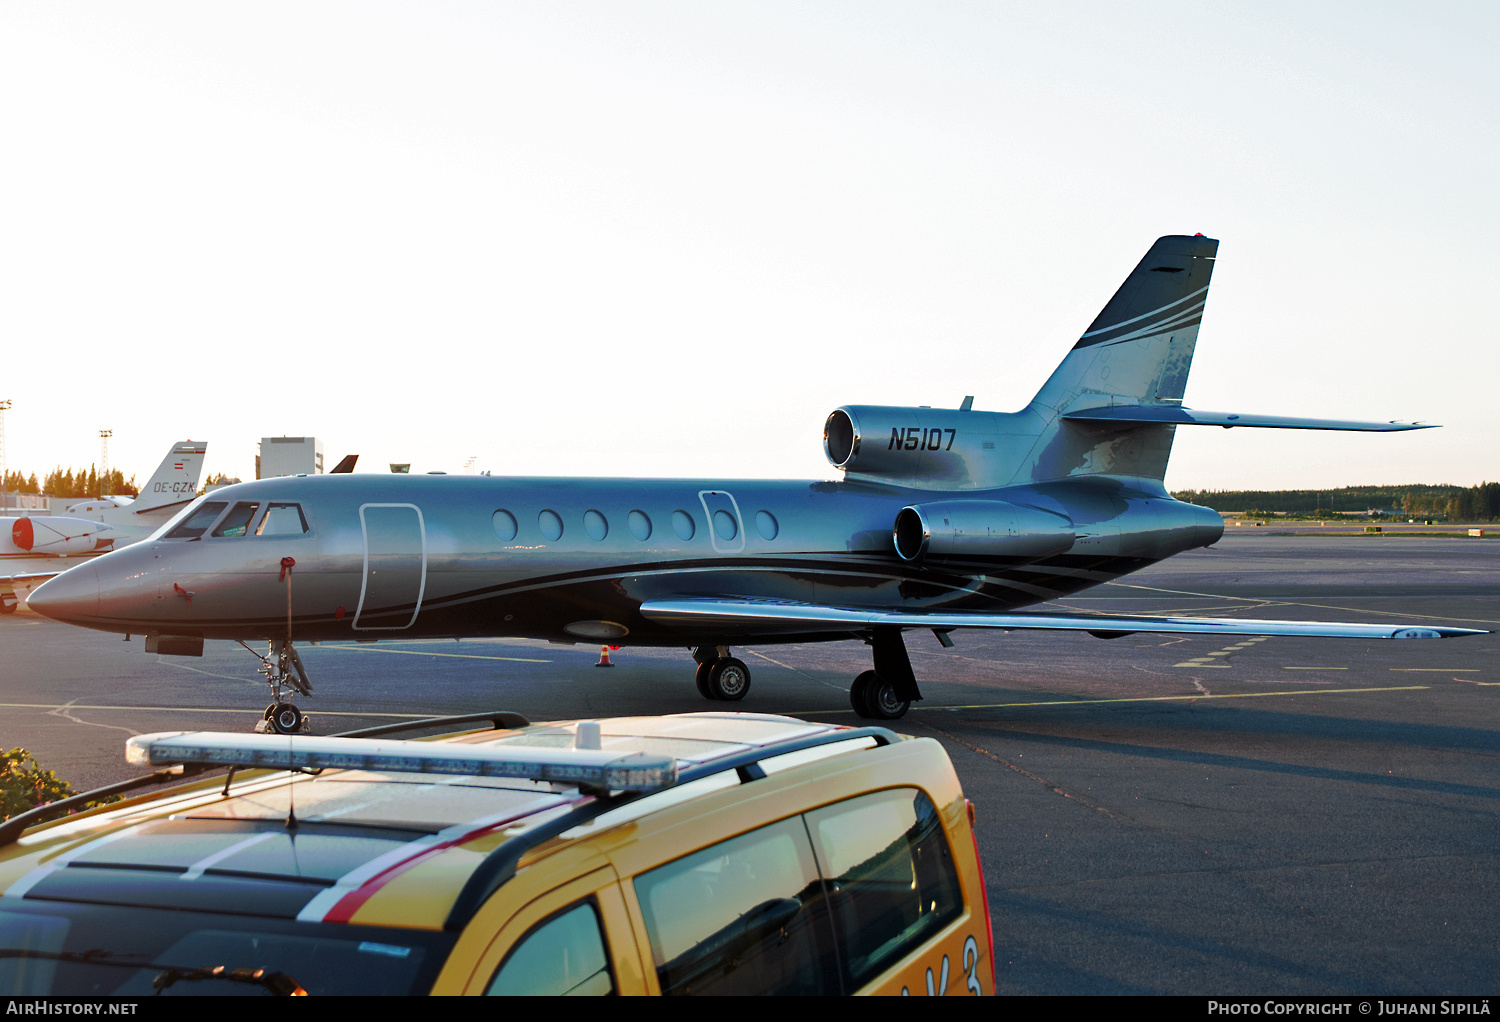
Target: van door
x: 573, y: 940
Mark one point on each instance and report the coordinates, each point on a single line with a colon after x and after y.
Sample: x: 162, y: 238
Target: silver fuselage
x: 387, y: 557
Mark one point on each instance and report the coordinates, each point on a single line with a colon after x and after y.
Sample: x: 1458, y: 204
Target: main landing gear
x: 721, y: 676
x: 283, y: 669
x: 887, y: 692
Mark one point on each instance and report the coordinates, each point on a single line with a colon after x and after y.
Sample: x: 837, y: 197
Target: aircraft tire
x: 701, y: 678
x: 729, y: 679
x: 285, y: 719
x: 8, y: 604
x: 875, y: 698
x: 859, y: 694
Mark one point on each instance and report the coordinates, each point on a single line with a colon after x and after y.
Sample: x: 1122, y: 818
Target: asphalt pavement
x: 1156, y: 814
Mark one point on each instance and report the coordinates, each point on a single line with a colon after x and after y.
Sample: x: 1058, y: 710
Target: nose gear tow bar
x: 283, y: 670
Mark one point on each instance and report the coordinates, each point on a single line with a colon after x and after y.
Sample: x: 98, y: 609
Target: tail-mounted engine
x: 980, y: 529
x: 55, y: 535
x: 935, y: 448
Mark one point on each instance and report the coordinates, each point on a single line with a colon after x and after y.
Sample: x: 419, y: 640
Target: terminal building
x: 289, y: 456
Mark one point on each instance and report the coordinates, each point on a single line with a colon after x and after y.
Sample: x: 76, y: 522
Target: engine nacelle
x: 939, y: 448
x: 98, y: 504
x: 55, y: 535
x: 962, y: 529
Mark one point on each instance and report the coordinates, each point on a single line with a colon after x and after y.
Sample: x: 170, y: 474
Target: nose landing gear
x: 283, y: 669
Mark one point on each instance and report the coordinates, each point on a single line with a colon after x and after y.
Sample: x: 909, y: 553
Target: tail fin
x: 175, y: 481
x: 1136, y: 352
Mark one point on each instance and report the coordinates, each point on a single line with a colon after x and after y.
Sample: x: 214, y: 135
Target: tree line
x: 1417, y: 500
x: 62, y: 482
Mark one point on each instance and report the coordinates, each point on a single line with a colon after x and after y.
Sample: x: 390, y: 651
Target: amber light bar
x: 586, y: 768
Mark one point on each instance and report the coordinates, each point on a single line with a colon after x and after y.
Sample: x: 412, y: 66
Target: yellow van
x: 703, y: 853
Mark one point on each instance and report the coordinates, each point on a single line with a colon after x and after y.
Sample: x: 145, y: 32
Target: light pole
x: 104, y: 435
x: 4, y: 404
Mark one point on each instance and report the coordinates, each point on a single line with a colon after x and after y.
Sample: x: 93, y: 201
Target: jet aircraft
x: 34, y: 548
x: 943, y: 519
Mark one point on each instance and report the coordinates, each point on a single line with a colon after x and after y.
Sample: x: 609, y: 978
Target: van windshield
x: 74, y: 949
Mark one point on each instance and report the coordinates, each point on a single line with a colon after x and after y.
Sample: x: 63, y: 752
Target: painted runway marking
x: 1270, y: 601
x: 1207, y: 659
x: 1164, y: 699
x: 423, y: 652
x: 1150, y: 699
x: 1315, y: 668
x: 192, y: 709
x: 62, y: 711
x: 1439, y: 670
x: 789, y: 667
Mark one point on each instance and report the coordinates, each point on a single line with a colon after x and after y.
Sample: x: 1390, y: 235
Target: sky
x: 667, y: 239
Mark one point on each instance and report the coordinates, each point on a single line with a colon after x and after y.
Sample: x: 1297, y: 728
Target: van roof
x: 315, y: 848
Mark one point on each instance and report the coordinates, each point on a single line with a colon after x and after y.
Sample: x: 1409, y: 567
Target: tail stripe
x: 1161, y: 312
x: 1186, y: 318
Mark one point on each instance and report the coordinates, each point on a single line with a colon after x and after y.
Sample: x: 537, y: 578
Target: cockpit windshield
x: 177, y: 519
x: 282, y: 520
x: 197, y: 523
x: 237, y: 521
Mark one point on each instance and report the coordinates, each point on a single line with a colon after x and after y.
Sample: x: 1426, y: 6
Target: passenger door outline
x: 364, y: 584
x: 731, y: 546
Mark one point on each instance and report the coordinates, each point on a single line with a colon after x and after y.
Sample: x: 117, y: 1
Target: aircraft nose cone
x: 72, y: 596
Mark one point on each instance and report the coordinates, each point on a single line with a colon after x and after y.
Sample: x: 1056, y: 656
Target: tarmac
x: 1195, y: 816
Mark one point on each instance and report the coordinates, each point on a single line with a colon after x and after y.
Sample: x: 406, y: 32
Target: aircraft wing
x: 737, y: 617
x: 1179, y: 416
x: 31, y: 579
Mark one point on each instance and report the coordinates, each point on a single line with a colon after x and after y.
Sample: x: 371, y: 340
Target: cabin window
x: 766, y: 523
x: 551, y: 525
x: 596, y: 525
x: 640, y: 525
x: 282, y: 520
x: 682, y: 524
x: 725, y: 526
x: 505, y: 525
x: 237, y: 521
x: 198, y: 522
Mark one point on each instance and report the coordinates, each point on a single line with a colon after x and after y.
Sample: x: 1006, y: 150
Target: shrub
x: 25, y: 785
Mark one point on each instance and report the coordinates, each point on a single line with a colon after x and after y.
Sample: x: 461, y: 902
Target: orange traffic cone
x: 604, y: 657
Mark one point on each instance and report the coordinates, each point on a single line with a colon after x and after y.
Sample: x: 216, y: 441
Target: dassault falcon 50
x: 943, y: 519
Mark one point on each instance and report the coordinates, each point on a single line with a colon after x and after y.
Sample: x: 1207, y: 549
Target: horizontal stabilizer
x: 1178, y: 416
x: 728, y: 617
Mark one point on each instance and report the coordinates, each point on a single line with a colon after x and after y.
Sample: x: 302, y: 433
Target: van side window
x: 892, y: 882
x: 199, y: 521
x: 237, y: 521
x: 282, y: 520
x: 746, y: 916
x: 560, y: 957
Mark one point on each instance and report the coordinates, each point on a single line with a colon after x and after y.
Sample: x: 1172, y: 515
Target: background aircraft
x: 944, y: 519
x: 34, y: 548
